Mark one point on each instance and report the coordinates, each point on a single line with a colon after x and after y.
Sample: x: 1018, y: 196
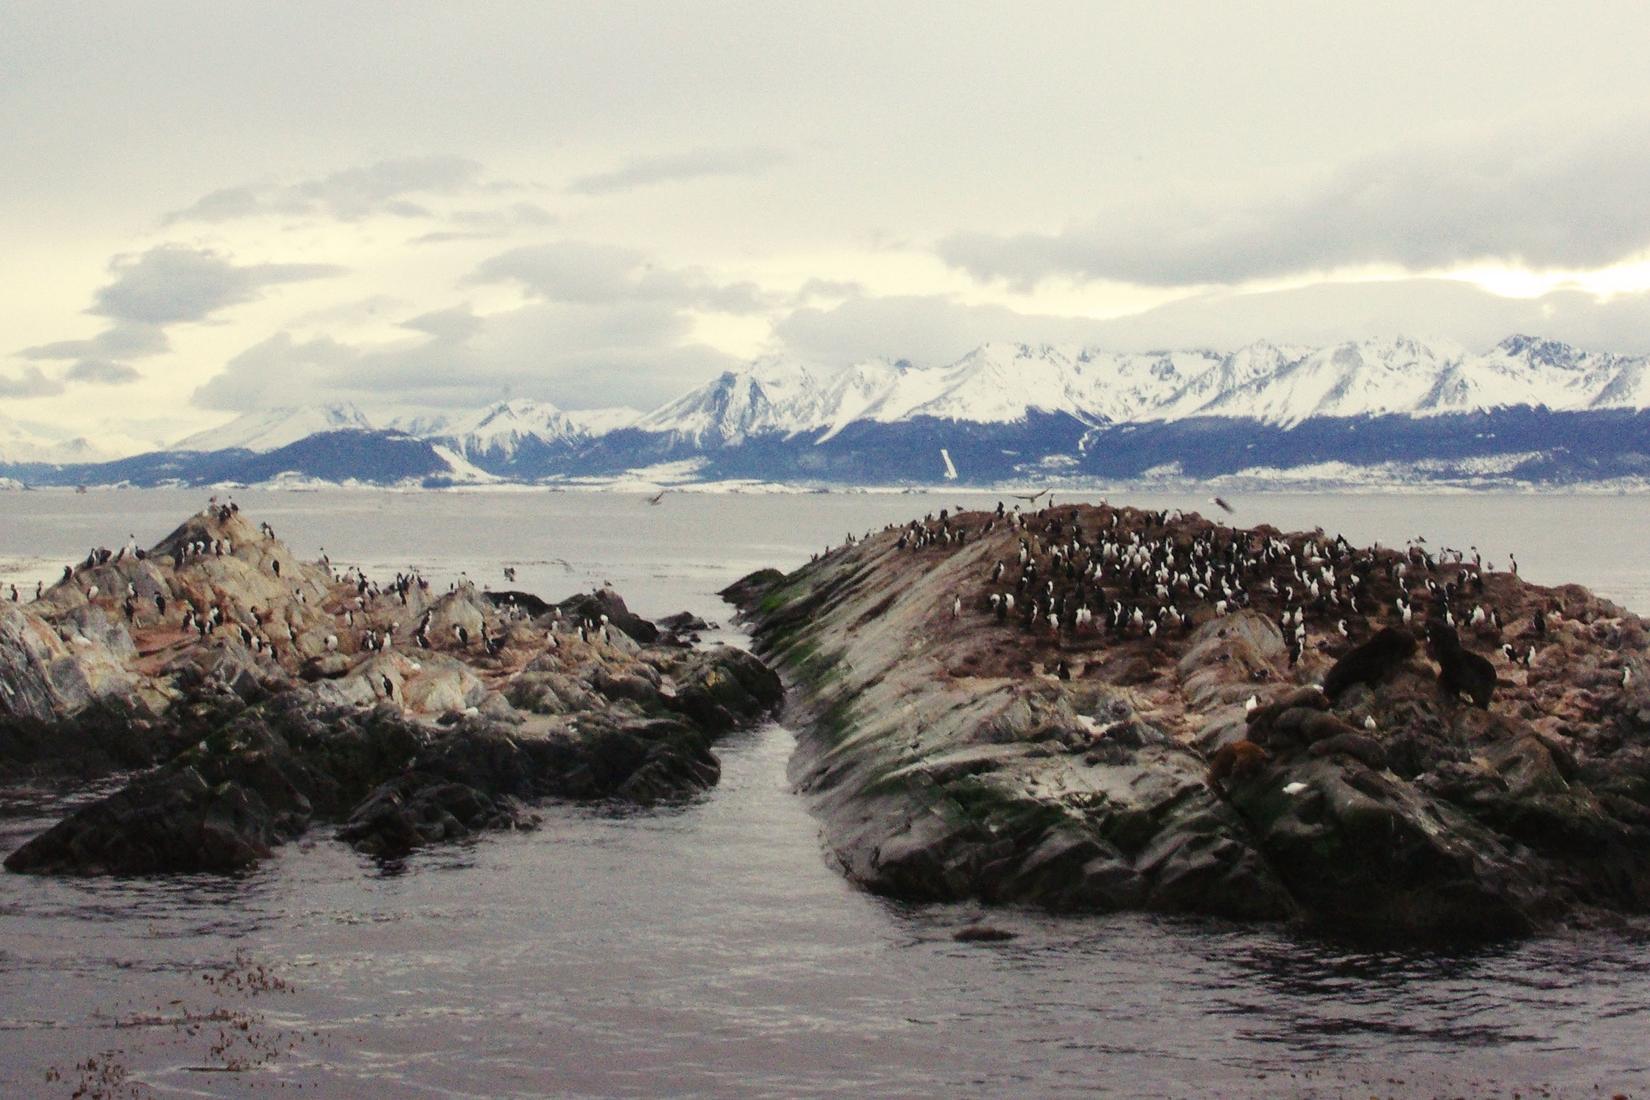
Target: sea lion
x: 1262, y: 718
x: 1305, y: 725
x: 1459, y: 670
x: 1368, y: 663
x: 1238, y: 760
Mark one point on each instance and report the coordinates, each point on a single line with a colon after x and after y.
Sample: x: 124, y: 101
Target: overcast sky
x: 210, y: 208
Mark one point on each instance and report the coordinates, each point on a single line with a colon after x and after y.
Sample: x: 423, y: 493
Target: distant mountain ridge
x: 1274, y: 384
x: 1003, y: 411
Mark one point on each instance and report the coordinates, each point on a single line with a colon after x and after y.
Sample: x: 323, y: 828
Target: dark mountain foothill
x: 1101, y: 708
x: 266, y: 696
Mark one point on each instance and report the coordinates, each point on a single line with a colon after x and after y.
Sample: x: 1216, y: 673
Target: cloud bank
x: 671, y: 168
x: 1519, y: 199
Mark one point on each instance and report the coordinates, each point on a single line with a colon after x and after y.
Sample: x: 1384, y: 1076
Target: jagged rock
x: 57, y: 669
x: 683, y: 622
x: 606, y: 602
x: 954, y: 750
x: 299, y: 696
x: 749, y: 589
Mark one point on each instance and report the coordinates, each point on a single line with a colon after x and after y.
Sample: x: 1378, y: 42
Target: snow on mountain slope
x: 501, y: 429
x: 853, y: 393
x: 272, y: 429
x: 1208, y: 375
x: 772, y: 396
x: 595, y: 422
x: 1002, y: 383
x: 1352, y: 379
x: 1276, y: 384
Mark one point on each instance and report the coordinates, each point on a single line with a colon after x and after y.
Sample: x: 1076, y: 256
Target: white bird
x: 1251, y: 703
x: 1294, y: 788
x: 1369, y: 723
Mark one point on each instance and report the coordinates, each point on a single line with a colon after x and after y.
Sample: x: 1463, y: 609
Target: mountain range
x: 1526, y: 410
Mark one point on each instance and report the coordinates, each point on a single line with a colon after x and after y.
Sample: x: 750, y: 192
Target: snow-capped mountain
x: 271, y: 429
x: 772, y: 396
x: 1272, y: 384
x: 501, y: 438
x: 1527, y: 409
x: 501, y: 429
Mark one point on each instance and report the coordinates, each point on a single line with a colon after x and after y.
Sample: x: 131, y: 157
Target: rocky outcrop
x: 278, y: 695
x: 1136, y: 729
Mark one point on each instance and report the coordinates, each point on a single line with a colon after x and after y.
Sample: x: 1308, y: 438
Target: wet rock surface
x: 269, y: 696
x: 1103, y: 708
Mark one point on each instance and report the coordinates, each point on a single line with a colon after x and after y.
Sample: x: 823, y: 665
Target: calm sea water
x: 708, y: 948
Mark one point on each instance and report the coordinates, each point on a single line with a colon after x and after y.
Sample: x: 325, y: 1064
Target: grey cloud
x: 485, y: 224
x: 456, y: 324
x: 928, y: 330
x: 1518, y: 198
x: 122, y: 341
x: 574, y: 354
x: 348, y: 195
x: 1428, y: 308
x: 29, y: 382
x: 698, y: 163
x: 578, y: 271
x: 101, y: 372
x: 933, y: 330
x: 173, y: 283
x: 276, y: 371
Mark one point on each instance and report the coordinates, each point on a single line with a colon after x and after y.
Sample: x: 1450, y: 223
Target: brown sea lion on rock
x: 1459, y: 671
x: 1304, y: 725
x: 1238, y: 760
x: 1261, y: 719
x: 1368, y: 663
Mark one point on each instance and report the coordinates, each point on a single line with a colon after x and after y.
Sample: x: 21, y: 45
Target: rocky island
x: 258, y: 696
x: 1100, y: 708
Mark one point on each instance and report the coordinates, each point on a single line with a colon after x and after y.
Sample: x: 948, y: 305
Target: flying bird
x: 1222, y: 503
x: 1032, y: 498
x: 657, y: 497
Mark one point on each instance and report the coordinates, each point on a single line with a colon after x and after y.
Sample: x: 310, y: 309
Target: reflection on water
x: 708, y: 948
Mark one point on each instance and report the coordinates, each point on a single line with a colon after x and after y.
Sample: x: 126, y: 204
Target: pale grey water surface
x: 709, y: 948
